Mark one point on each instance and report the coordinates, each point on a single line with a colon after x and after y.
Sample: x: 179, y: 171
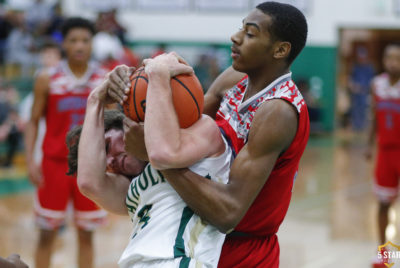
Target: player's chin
x: 83, y: 58
x: 237, y: 66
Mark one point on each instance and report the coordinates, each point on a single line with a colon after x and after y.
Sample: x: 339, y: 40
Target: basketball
x: 187, y: 94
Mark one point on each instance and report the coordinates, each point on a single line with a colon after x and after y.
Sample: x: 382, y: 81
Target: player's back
x: 166, y: 231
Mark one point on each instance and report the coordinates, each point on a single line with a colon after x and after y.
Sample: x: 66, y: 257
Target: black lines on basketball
x: 136, y: 78
x: 191, y: 94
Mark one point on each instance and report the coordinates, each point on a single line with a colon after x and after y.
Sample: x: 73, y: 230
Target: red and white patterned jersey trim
x: 240, y: 114
x: 387, y: 111
x: 63, y: 81
x: 383, y: 89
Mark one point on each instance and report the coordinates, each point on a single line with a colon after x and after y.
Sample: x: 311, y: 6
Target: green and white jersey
x: 165, y: 229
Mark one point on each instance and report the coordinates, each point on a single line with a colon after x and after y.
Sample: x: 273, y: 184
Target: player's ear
x: 282, y: 50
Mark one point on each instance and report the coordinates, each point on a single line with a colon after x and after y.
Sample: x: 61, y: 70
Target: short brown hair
x: 113, y: 119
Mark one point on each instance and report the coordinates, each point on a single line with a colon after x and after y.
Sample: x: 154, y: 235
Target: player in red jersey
x: 265, y: 119
x: 386, y: 129
x: 60, y: 95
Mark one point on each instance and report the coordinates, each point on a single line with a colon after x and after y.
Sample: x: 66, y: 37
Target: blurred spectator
x: 360, y: 78
x: 115, y: 26
x: 20, y: 48
x: 5, y: 29
x: 108, y: 46
x: 49, y: 55
x: 108, y: 20
x: 206, y: 69
x: 10, y: 123
x: 159, y: 50
x: 130, y: 58
x: 38, y: 14
x: 107, y: 49
x: 53, y: 27
x: 314, y: 108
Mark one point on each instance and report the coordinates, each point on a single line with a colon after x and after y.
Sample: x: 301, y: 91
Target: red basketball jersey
x: 262, y: 220
x: 66, y: 105
x: 387, y: 111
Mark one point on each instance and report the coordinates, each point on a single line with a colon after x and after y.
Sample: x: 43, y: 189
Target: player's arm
x: 118, y: 90
x: 169, y: 146
x: 223, y: 205
x: 225, y: 81
x: 106, y: 189
x: 40, y: 91
x: 373, y: 128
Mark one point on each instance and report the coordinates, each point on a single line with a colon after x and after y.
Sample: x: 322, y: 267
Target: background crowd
x: 30, y: 39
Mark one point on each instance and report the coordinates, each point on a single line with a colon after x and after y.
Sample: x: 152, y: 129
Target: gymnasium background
x: 331, y: 221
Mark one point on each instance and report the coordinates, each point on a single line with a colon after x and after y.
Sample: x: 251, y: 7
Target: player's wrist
x: 95, y: 99
x: 154, y: 70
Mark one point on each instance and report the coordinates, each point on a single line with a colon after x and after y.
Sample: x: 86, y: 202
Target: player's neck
x: 259, y: 81
x: 78, y: 68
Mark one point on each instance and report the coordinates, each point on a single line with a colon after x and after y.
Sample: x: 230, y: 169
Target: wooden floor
x: 330, y: 223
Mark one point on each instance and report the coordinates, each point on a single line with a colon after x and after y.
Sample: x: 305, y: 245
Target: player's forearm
x: 373, y: 127
x: 372, y: 134
x: 213, y: 202
x: 161, y: 128
x: 91, y: 150
x: 30, y: 139
x: 107, y: 191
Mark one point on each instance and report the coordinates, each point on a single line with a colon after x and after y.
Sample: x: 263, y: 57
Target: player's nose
x: 235, y: 38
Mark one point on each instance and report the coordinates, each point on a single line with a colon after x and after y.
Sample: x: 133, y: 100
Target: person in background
x: 20, y: 54
x: 359, y: 85
x: 159, y: 50
x: 11, y: 125
x: 313, y: 106
x: 385, y: 131
x: 206, y: 69
x: 60, y: 95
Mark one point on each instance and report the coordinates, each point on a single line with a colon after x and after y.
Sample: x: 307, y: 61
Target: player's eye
x: 107, y: 147
x: 249, y: 34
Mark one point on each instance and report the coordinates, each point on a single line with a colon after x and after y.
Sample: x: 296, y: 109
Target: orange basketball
x: 187, y: 94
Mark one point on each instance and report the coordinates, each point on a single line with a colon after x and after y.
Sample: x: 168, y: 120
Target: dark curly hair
x: 113, y: 119
x: 288, y: 24
x: 76, y: 22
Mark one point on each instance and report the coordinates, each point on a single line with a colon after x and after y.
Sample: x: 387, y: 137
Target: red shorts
x: 250, y: 252
x: 53, y: 197
x: 387, y: 174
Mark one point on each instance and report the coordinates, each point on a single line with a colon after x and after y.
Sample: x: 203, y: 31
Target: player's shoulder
x: 207, y: 124
x: 205, y: 128
x: 42, y: 78
x: 380, y: 78
x: 274, y: 126
x: 277, y: 109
